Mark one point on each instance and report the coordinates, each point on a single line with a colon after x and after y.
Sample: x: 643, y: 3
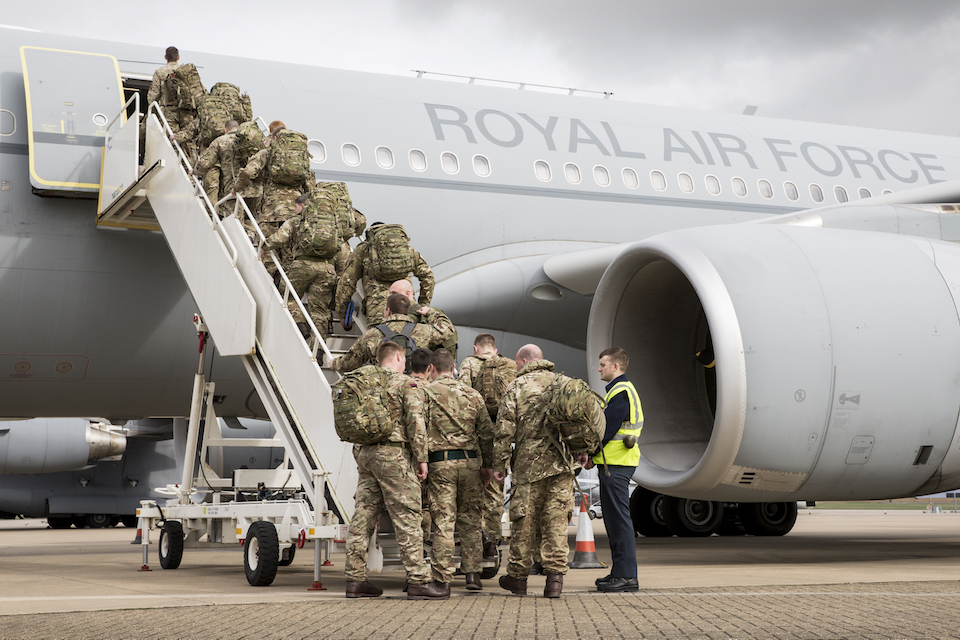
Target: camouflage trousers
x: 492, y: 510
x: 268, y: 229
x: 427, y: 518
x: 177, y: 120
x: 386, y: 480
x: 546, y: 505
x: 340, y: 260
x: 455, y: 487
x: 317, y: 278
x: 375, y: 300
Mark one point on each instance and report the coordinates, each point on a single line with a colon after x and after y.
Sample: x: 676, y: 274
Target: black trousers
x: 615, y: 501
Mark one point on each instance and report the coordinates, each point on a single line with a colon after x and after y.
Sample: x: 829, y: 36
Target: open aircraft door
x: 71, y: 98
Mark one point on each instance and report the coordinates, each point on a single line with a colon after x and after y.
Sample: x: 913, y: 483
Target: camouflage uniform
x: 375, y: 291
x: 457, y: 421
x: 352, y: 222
x: 542, y: 480
x: 427, y: 335
x: 218, y: 168
x: 427, y: 518
x: 387, y: 480
x: 471, y: 374
x: 159, y: 92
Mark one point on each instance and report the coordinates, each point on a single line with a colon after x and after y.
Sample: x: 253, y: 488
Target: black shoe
x: 304, y: 330
x: 473, y: 582
x: 606, y: 578
x: 515, y: 585
x: 428, y: 591
x: 357, y: 589
x: 618, y: 585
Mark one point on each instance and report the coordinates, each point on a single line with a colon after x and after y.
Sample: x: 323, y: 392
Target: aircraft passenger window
x: 791, y: 190
x: 385, y: 157
x: 481, y: 165
x: 572, y: 173
x: 686, y: 182
x: 450, y: 163
x: 601, y: 175
x: 739, y: 187
x: 766, y: 189
x: 713, y: 185
x: 542, y: 169
x: 816, y: 193
x: 840, y: 193
x: 418, y: 161
x: 318, y: 152
x: 351, y: 154
x: 658, y: 181
x: 864, y: 193
x: 631, y: 179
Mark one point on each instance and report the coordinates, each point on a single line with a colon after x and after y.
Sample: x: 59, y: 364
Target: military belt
x: 451, y: 454
x: 391, y: 443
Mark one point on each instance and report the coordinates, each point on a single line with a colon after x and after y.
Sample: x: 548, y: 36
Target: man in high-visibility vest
x: 620, y: 455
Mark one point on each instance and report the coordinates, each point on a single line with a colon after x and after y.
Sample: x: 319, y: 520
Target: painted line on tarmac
x: 157, y: 596
x: 743, y: 594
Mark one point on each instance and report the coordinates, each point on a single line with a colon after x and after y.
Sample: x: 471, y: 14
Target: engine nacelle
x: 837, y: 361
x: 46, y: 445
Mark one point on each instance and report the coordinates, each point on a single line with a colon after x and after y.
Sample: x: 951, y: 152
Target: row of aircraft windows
x: 481, y: 166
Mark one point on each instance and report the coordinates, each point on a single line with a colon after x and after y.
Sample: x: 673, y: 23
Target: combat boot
x: 473, y: 582
x: 554, y: 585
x: 517, y: 585
x: 357, y: 589
x: 428, y: 591
x: 304, y: 330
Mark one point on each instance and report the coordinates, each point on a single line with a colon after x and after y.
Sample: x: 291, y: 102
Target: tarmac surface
x: 838, y: 574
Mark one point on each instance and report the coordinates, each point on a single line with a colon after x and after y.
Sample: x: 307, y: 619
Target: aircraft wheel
x: 692, y: 518
x: 646, y: 511
x: 59, y: 523
x: 261, y: 553
x: 171, y: 544
x: 486, y: 573
x: 98, y: 520
x: 80, y: 522
x: 287, y: 556
x: 130, y: 522
x: 768, y: 518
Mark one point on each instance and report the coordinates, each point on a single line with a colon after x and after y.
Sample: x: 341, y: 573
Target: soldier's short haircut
x: 530, y: 352
x: 386, y: 350
x: 172, y: 54
x: 231, y: 125
x: 485, y: 340
x: 276, y: 125
x: 617, y: 356
x: 302, y: 199
x: 398, y: 303
x: 442, y: 361
x: 420, y: 360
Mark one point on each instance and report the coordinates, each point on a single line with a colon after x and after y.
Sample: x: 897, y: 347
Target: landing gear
x: 768, y: 518
x: 99, y: 520
x: 261, y: 554
x: 60, y: 523
x: 171, y: 544
x: 692, y: 518
x: 646, y: 511
x: 286, y: 555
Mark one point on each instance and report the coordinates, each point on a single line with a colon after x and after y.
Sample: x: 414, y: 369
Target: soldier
x: 352, y: 222
x: 460, y: 441
x: 161, y: 92
x: 419, y: 364
x: 397, y: 320
x: 387, y: 480
x: 383, y: 258
x: 428, y: 315
x: 489, y: 373
x: 310, y: 272
x: 542, y: 477
x: 217, y: 166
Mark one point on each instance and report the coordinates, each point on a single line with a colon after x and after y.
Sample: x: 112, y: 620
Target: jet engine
x: 780, y: 363
x: 46, y: 445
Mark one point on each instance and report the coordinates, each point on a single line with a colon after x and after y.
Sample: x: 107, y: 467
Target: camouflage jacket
x: 471, y: 369
x: 288, y: 233
x: 457, y: 419
x: 249, y: 182
x: 534, y: 456
x: 278, y: 200
x: 352, y: 221
x: 360, y: 266
x: 364, y: 350
x: 406, y: 410
x: 220, y: 153
x: 159, y: 91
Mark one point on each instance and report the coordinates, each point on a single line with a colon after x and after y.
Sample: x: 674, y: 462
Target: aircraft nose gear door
x: 71, y: 97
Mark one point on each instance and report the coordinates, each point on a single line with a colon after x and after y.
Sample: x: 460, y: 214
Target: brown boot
x: 357, y: 589
x: 473, y: 582
x: 554, y: 585
x: 516, y: 585
x: 428, y: 591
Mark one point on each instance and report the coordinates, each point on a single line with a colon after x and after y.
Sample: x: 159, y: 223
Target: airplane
x: 815, y: 260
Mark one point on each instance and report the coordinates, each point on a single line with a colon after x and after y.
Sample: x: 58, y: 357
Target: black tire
x: 130, y: 522
x: 291, y: 551
x: 62, y: 522
x: 80, y: 522
x: 692, y: 518
x: 98, y: 520
x: 171, y: 544
x: 261, y: 553
x: 731, y: 523
x: 486, y: 573
x: 768, y: 518
x: 646, y: 511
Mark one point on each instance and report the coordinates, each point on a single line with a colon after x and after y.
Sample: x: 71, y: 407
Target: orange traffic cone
x: 585, y: 557
x: 139, y: 538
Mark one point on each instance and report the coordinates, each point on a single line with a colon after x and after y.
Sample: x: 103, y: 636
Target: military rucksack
x: 215, y: 110
x: 345, y: 217
x: 495, y: 374
x: 390, y: 253
x: 190, y: 91
x: 404, y: 339
x: 576, y: 411
x: 249, y: 141
x: 360, y: 406
x: 318, y: 235
x: 289, y: 163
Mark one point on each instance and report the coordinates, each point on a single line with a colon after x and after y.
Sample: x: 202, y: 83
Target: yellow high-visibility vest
x: 614, y: 451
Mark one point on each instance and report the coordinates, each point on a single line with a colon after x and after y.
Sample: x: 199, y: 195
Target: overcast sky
x: 874, y: 63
